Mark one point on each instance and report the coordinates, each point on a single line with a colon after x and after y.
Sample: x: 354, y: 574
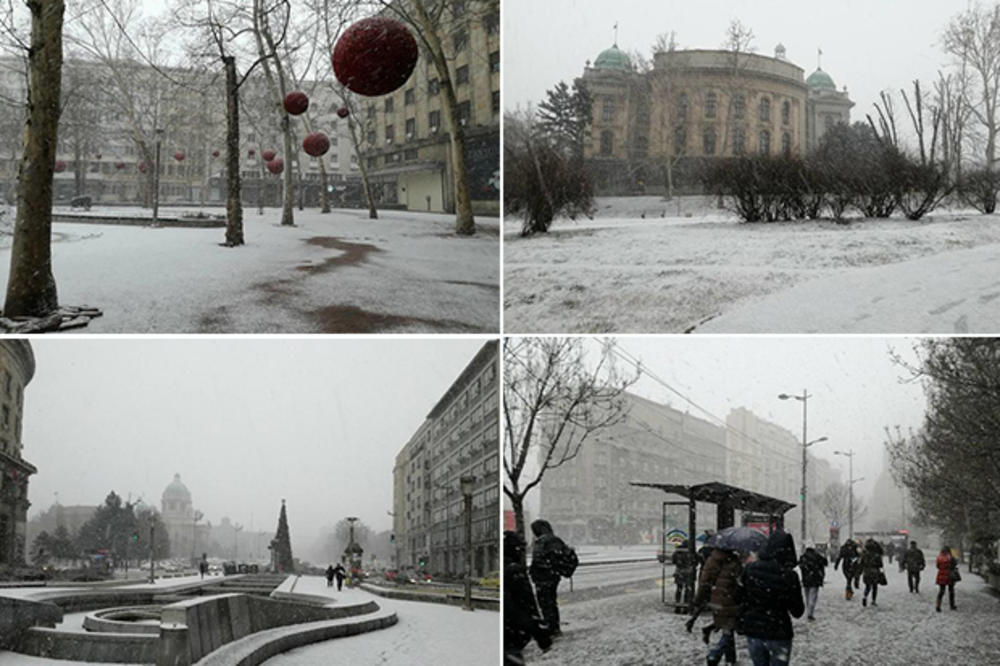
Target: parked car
x: 83, y: 202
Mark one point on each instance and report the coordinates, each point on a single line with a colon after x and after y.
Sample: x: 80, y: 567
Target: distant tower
x: 779, y: 52
x: 283, y: 561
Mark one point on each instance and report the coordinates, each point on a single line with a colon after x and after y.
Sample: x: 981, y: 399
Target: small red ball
x: 375, y: 56
x: 343, y: 112
x: 316, y: 144
x: 179, y: 156
x: 142, y: 166
x: 268, y: 155
x: 296, y: 103
x: 215, y: 153
x: 59, y: 166
x: 276, y: 166
x: 251, y: 152
x: 119, y: 165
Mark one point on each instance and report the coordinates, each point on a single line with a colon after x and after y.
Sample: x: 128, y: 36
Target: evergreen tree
x: 564, y: 117
x: 283, y: 544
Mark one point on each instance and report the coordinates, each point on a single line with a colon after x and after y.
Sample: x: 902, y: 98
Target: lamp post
x: 198, y: 515
x: 850, y: 489
x: 156, y: 179
x: 236, y: 541
x: 468, y: 482
x: 804, y: 399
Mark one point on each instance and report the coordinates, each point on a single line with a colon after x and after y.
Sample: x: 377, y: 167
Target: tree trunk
x: 31, y: 287
x: 324, y: 198
x: 263, y: 34
x: 234, y: 206
x: 365, y: 185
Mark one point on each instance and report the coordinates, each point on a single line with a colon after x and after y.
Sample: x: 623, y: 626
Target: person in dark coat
x: 813, y: 568
x: 848, y: 554
x: 684, y: 565
x: 871, y: 570
x: 543, y: 572
x: 769, y: 592
x: 890, y: 551
x: 717, y: 591
x: 521, y: 620
x: 329, y: 576
x: 947, y: 576
x: 914, y: 562
x: 340, y: 573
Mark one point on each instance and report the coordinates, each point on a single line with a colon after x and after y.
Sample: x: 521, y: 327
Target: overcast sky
x: 855, y: 388
x: 868, y: 45
x: 244, y: 422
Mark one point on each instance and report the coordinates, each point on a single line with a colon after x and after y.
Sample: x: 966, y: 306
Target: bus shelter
x: 727, y: 500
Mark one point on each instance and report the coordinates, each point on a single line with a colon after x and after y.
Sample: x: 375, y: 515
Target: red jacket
x: 945, y: 562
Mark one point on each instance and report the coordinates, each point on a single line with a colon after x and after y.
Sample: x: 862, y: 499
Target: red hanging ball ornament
x: 276, y: 166
x: 343, y: 112
x: 59, y: 166
x: 142, y: 167
x: 296, y: 103
x: 375, y: 56
x: 316, y: 144
x: 215, y: 153
x: 251, y: 152
x: 119, y: 165
x: 179, y: 156
x: 268, y: 155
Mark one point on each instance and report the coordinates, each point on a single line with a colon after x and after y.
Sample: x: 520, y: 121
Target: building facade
x: 188, y: 539
x: 459, y: 438
x: 407, y: 147
x: 661, y: 126
x: 17, y: 367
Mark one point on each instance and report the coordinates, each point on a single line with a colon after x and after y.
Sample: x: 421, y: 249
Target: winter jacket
x: 913, y: 560
x: 684, y: 563
x: 871, y: 565
x: 848, y: 554
x: 521, y: 619
x: 769, y: 591
x: 813, y: 568
x: 945, y: 563
x: 543, y: 553
x: 717, y: 587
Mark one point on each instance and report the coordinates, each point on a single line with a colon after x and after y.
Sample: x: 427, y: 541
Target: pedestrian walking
x: 547, y: 554
x: 890, y: 551
x: 914, y: 562
x: 717, y: 591
x: 771, y: 594
x: 339, y: 572
x: 521, y: 620
x: 813, y: 568
x: 684, y: 565
x: 870, y: 565
x: 848, y: 554
x: 203, y: 565
x: 329, y: 576
x: 947, y: 576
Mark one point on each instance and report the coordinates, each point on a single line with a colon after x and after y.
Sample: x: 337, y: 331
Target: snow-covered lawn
x: 336, y: 273
x: 636, y: 629
x: 688, y: 266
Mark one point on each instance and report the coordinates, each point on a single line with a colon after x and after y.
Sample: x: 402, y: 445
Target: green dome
x: 613, y: 58
x: 820, y: 79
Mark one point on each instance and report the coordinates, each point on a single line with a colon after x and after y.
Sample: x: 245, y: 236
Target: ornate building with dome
x: 187, y: 538
x: 658, y: 126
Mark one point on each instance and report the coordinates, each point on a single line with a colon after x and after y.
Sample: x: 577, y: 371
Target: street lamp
x: 156, y: 179
x: 468, y: 483
x: 850, y: 489
x: 236, y: 541
x: 804, y: 399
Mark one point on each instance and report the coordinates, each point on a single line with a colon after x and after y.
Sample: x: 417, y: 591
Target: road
x: 604, y: 575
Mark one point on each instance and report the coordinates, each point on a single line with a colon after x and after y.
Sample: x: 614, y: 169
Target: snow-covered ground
x: 636, y: 629
x: 688, y: 266
x: 335, y: 273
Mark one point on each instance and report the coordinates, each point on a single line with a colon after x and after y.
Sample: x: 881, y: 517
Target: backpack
x: 565, y: 561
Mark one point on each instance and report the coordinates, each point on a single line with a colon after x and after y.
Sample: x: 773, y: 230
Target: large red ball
x: 296, y: 103
x: 268, y: 155
x: 277, y: 165
x: 59, y: 166
x: 343, y: 112
x: 375, y: 56
x: 179, y: 156
x: 316, y: 144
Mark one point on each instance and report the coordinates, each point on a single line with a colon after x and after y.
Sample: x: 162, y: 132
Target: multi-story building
x: 459, y: 438
x: 188, y: 539
x: 694, y: 106
x: 17, y: 367
x: 407, y: 144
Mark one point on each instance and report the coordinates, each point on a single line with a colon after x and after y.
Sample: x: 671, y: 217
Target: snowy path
x: 336, y: 273
x: 904, y: 630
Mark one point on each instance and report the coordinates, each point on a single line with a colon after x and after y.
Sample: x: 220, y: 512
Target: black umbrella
x: 745, y: 539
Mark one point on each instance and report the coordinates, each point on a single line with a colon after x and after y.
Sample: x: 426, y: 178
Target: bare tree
x: 835, y: 504
x: 554, y: 400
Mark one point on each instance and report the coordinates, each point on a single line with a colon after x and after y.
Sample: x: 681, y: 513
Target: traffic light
x: 135, y: 537
x: 392, y: 538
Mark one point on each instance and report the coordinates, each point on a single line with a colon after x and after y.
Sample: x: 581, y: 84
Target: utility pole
x: 804, y: 399
x: 152, y: 557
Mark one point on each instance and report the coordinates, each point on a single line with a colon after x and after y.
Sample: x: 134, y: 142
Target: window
x: 492, y: 24
x: 608, y: 110
x: 739, y: 107
x: 709, y: 141
x: 460, y: 40
x: 464, y: 113
x: 410, y: 154
x: 496, y: 101
x: 370, y: 113
x: 388, y: 105
x: 6, y: 417
x: 765, y: 109
x: 434, y: 121
x: 411, y: 128
x: 641, y: 147
x: 828, y: 122
x: 371, y: 137
x: 409, y: 96
x: 607, y: 142
x: 786, y: 143
x: 682, y: 106
x: 680, y: 140
x: 495, y: 61
x: 739, y: 141
x: 462, y: 75
x: 433, y: 87
x: 765, y: 142
x: 711, y: 102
